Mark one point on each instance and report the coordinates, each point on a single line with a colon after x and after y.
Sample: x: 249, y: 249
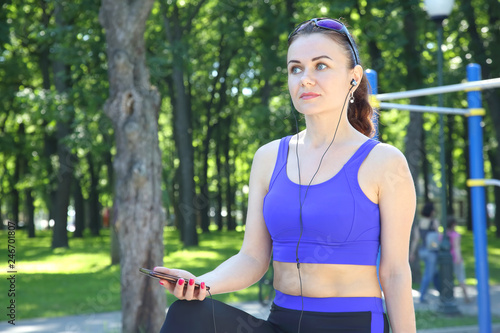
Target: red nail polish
x: 180, y: 282
x: 161, y: 282
x: 191, y: 282
x: 202, y: 285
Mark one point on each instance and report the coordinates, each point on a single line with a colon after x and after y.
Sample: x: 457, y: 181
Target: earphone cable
x: 301, y: 202
x: 213, y: 310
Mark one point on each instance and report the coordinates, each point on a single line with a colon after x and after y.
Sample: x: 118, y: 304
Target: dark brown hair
x: 360, y: 112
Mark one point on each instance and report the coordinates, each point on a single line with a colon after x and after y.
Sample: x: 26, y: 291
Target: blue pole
x: 371, y: 75
x: 478, y: 203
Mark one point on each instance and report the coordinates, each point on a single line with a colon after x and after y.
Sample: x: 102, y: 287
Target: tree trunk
x: 183, y: 133
x: 413, y: 142
x: 133, y: 107
x: 94, y: 206
x: 231, y: 223
x: 115, y: 245
x: 49, y: 138
x: 425, y: 168
x: 219, y: 200
x: 79, y: 209
x: 65, y: 171
x: 413, y: 152
x: 450, y: 179
x: 16, y: 177
x: 30, y: 210
x: 468, y: 214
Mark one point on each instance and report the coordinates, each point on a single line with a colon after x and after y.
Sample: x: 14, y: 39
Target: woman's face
x: 318, y: 74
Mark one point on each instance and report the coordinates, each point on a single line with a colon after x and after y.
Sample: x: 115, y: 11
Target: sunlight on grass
x: 67, y: 264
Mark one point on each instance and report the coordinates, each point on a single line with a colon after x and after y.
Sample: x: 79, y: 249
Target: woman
x: 456, y: 253
x: 323, y: 201
x: 427, y: 242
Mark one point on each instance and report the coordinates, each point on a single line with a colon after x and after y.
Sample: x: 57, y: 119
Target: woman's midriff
x: 326, y: 280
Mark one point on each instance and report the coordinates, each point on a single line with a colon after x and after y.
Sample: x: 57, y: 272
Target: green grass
x: 62, y: 282
x: 428, y: 320
x: 470, y: 260
x: 80, y: 279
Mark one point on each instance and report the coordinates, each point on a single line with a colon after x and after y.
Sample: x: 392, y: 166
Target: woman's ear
x: 357, y: 76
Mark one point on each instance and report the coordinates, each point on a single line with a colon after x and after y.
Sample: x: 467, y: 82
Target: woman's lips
x: 309, y: 95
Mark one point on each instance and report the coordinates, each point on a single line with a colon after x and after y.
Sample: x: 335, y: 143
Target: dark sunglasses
x: 330, y: 24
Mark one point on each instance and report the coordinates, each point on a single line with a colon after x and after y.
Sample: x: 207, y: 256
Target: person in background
x: 456, y: 253
x: 426, y: 240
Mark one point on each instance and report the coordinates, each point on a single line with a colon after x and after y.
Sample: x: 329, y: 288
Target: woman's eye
x: 295, y: 70
x: 321, y: 66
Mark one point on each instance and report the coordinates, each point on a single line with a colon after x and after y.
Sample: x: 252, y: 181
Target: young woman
x: 323, y: 201
x: 426, y: 242
x: 456, y: 253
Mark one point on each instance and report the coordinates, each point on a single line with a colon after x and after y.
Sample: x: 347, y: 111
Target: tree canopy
x: 219, y: 67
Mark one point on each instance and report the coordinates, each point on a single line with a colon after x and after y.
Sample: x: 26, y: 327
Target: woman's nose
x: 306, y: 79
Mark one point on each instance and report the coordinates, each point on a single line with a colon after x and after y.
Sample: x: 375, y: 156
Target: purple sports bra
x: 340, y: 224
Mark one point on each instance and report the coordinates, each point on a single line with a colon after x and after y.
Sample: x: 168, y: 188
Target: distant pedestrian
x: 456, y: 253
x: 426, y: 240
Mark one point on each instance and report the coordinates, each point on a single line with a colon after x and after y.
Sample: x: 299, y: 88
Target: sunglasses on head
x: 329, y: 24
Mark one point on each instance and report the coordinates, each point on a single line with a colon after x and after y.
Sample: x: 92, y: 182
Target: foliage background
x: 226, y: 61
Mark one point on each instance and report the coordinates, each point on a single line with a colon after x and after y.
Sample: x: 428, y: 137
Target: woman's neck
x: 320, y: 132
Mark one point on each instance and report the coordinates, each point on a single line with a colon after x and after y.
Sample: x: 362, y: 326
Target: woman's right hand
x: 178, y: 289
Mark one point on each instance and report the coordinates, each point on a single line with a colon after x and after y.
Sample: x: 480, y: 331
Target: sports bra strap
x: 360, y: 155
x: 280, y: 159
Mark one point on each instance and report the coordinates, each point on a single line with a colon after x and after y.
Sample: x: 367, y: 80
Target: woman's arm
x: 252, y: 261
x: 456, y: 248
x: 397, y: 202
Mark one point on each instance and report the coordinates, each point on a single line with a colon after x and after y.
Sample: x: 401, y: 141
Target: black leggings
x: 198, y: 317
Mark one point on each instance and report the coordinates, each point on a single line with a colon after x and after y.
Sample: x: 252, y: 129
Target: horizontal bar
x: 483, y: 84
x: 482, y: 182
x: 421, y: 108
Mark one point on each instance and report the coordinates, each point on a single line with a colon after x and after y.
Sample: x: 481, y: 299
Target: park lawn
x: 469, y: 259
x: 80, y: 280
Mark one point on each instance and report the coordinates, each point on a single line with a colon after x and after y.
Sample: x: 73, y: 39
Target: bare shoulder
x: 264, y: 161
x: 389, y: 167
x: 387, y: 157
x: 267, y: 153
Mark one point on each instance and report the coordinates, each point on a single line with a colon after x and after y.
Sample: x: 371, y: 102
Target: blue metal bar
x: 371, y: 75
x: 477, y: 85
x: 478, y: 203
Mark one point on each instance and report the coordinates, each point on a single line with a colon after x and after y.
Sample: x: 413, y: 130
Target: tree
x: 133, y: 107
x: 65, y: 171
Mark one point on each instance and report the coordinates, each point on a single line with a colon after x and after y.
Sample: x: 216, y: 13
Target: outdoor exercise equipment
x: 475, y: 114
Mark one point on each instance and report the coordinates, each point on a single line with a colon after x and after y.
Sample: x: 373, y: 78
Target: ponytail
x: 360, y: 112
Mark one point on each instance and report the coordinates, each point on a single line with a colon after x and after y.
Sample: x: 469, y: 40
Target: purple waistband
x: 329, y: 304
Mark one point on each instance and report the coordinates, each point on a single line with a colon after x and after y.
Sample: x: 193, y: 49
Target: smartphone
x: 168, y: 277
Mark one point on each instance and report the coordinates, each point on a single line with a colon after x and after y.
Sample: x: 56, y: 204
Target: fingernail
x: 202, y: 285
x: 191, y: 282
x: 180, y: 282
x: 161, y: 282
x: 154, y: 269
